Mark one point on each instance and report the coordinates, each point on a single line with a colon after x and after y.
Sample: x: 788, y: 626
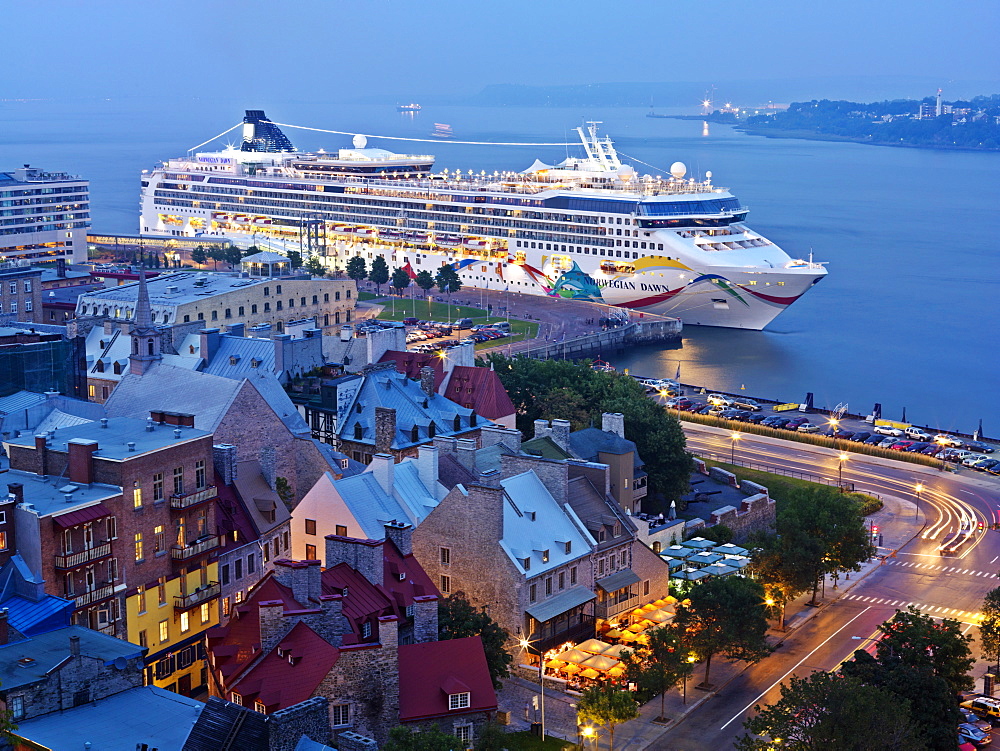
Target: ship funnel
x: 260, y: 134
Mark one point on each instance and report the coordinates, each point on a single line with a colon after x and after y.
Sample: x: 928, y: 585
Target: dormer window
x: 366, y: 630
x: 100, y: 366
x: 602, y: 535
x: 431, y: 430
x: 259, y: 707
x: 414, y: 433
x: 569, y: 548
x: 357, y: 431
x: 254, y: 362
x: 190, y: 349
x: 234, y: 359
x: 618, y: 530
x: 459, y: 701
x: 458, y: 423
x: 545, y: 556
x: 236, y: 699
x: 526, y: 564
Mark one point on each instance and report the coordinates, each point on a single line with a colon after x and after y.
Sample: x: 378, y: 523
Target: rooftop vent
x: 149, y: 424
x: 177, y: 432
x: 104, y: 422
x: 131, y: 445
x: 25, y: 662
x: 173, y: 289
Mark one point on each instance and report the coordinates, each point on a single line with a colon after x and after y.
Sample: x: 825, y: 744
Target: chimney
x: 284, y: 360
x: 4, y: 627
x: 427, y: 380
x: 364, y: 556
x: 427, y: 468
x: 613, y: 422
x: 104, y: 422
x: 401, y: 535
x: 269, y: 466
x: 490, y: 477
x: 157, y: 415
x: 42, y: 448
x: 467, y: 453
x: 491, y: 435
x: 74, y: 645
x: 302, y: 577
x: 272, y: 621
x: 81, y: 460
x: 385, y: 429
x: 542, y: 429
x: 346, y: 332
x: 560, y: 433
x: 61, y: 268
x: 236, y: 329
x: 331, y: 623
x: 209, y: 343
x: 224, y: 459
x: 184, y: 419
x: 383, y: 468
x: 445, y: 444
x: 16, y: 490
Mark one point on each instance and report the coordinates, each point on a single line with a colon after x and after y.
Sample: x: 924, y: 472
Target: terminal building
x: 44, y: 216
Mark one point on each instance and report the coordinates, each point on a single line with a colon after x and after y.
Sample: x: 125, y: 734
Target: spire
x: 143, y: 320
x: 145, y: 336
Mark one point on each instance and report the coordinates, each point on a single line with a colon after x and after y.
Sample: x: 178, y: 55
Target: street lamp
x: 526, y: 646
x: 919, y: 487
x: 691, y: 660
x: 840, y: 470
x: 732, y: 453
x: 589, y: 734
x: 834, y: 424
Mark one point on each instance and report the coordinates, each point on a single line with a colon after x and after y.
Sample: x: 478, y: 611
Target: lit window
x: 137, y: 497
x: 185, y: 622
x: 459, y: 701
x: 138, y: 546
x: 205, y: 612
x: 237, y: 699
x: 158, y: 539
x: 366, y: 630
x: 164, y: 631
x: 259, y: 707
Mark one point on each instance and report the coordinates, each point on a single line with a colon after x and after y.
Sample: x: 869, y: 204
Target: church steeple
x: 146, y: 338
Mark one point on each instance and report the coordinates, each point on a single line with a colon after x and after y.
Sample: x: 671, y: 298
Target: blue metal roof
x: 33, y: 618
x: 20, y: 400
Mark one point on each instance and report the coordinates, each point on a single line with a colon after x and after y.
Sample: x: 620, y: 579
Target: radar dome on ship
x: 625, y: 173
x: 678, y: 169
x: 359, y: 141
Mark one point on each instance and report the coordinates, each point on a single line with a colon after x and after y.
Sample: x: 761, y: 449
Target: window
x: 310, y: 526
x: 341, y: 530
x: 266, y: 550
x: 569, y: 548
x: 545, y: 556
x: 111, y: 527
x: 205, y: 614
x: 366, y: 630
x: 143, y: 641
x: 157, y: 487
x: 239, y: 596
x: 112, y: 570
x: 137, y: 497
x: 28, y: 304
x: 445, y: 556
x: 158, y: 539
x: 623, y: 561
x: 251, y: 564
x: 645, y: 587
x: 161, y: 590
x: 215, y: 315
x: 238, y: 566
x: 600, y: 567
x: 253, y: 310
x: 225, y: 607
x: 458, y: 701
x: 164, y: 631
x: 185, y: 622
x: 445, y: 584
x: 311, y: 553
x: 533, y: 592
x: 225, y: 574
x: 3, y: 540
x: 284, y: 538
x: 138, y: 547
x: 572, y: 576
x: 277, y: 289
x: 16, y: 706
x: 13, y: 306
x: 237, y: 699
x: 276, y: 543
x: 140, y: 592
x: 548, y: 586
x: 562, y: 580
x: 179, y: 481
x: 199, y: 474
x: 242, y: 311
x: 340, y: 714
x: 27, y: 285
x: 229, y: 313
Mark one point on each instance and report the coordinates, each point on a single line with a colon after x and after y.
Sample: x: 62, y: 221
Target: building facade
x: 43, y: 215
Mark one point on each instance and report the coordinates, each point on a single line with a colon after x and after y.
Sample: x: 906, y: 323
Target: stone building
x: 20, y: 292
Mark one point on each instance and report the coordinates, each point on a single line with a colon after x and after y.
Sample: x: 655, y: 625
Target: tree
x: 565, y: 404
x: 199, y: 256
x: 458, y: 619
x: 606, y: 705
x: 315, y: 266
x: 781, y: 564
x: 491, y: 737
x: 232, y: 255
x: 294, y: 259
x: 659, y: 665
x: 217, y: 254
x: 718, y: 533
x: 924, y: 662
x: 400, y: 281
x: 989, y: 627
x: 447, y: 281
x: 832, y: 711
x: 284, y: 490
x: 379, y: 273
x: 727, y: 616
x: 356, y: 268
x: 421, y: 739
x: 425, y: 280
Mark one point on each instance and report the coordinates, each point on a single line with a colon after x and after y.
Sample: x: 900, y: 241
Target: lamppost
x: 840, y: 470
x: 732, y: 453
x: 589, y: 734
x: 835, y: 427
x: 918, y: 488
x: 526, y: 646
x: 691, y: 660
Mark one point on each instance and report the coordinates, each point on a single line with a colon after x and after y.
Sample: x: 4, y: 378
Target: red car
x: 901, y: 445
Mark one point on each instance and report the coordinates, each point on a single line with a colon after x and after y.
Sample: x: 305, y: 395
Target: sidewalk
x: 899, y: 521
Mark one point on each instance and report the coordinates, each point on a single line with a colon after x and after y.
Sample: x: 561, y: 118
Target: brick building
x: 20, y: 292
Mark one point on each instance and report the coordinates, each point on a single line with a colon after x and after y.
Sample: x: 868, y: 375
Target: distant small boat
x: 411, y: 107
x: 442, y: 131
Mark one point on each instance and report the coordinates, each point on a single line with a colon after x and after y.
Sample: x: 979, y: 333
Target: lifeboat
x: 364, y: 232
x: 448, y: 241
x: 417, y: 237
x: 391, y: 234
x: 477, y: 244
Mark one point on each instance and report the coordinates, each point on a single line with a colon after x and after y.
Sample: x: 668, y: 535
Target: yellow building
x: 170, y: 619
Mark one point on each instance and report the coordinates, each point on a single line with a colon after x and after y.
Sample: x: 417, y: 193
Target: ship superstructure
x: 588, y: 227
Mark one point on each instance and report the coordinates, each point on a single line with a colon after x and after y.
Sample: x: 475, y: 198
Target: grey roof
x: 618, y: 580
x: 550, y: 608
x: 224, y: 726
x: 48, y: 497
x: 258, y: 497
x: 305, y: 744
x: 191, y: 287
x: 113, y: 440
x: 278, y: 399
x: 372, y: 507
x: 153, y: 716
x: 266, y: 256
x: 48, y: 650
x: 452, y: 472
x: 336, y: 460
x: 19, y: 400
x: 55, y: 411
x: 596, y: 511
x: 236, y: 356
x: 590, y: 442
x: 51, y: 274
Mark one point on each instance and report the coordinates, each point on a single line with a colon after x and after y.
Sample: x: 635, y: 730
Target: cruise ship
x: 589, y: 227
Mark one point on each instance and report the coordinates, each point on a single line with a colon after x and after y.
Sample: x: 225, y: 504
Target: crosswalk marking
x: 902, y: 605
x: 943, y: 569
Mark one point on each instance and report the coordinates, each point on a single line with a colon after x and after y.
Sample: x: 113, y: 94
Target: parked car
x: 958, y: 456
x: 887, y: 442
x: 985, y: 465
x: 771, y: 420
x: 971, y: 734
x: 917, y: 434
x: 985, y: 706
x: 951, y: 441
x: 917, y: 447
x: 410, y: 321
x: 860, y: 436
x: 901, y: 445
x: 973, y: 459
x: 845, y: 435
x: 729, y: 413
x: 982, y: 448
x: 704, y: 409
x: 931, y: 450
x: 874, y: 440
x: 808, y: 427
x: 748, y: 404
x: 719, y: 399
x: 887, y: 430
x: 757, y: 418
x: 779, y: 422
x: 678, y: 402
x: 972, y: 719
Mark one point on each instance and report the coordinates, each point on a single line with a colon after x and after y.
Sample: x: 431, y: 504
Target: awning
x: 619, y: 580
x: 82, y: 515
x: 571, y: 598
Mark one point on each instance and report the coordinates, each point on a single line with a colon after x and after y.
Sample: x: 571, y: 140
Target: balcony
x: 102, y: 592
x: 194, y: 549
x: 187, y: 500
x: 615, y: 606
x: 209, y: 592
x: 87, y: 555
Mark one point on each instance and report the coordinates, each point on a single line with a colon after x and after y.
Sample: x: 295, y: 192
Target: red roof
x: 291, y: 672
x: 479, y: 389
x: 410, y: 363
x: 429, y: 672
x: 237, y: 643
x: 81, y: 516
x: 415, y: 582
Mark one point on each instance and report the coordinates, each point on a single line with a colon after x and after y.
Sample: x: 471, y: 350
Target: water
x: 904, y: 318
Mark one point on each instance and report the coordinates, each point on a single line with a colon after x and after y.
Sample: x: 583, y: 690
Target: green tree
x: 781, y: 563
x: 457, y: 619
x: 400, y: 281
x: 357, y: 269
x: 726, y: 616
x: 989, y: 627
x: 199, y: 256
x: 718, y: 533
x: 294, y: 259
x: 606, y: 705
x: 425, y: 280
x: 232, y: 255
x: 216, y: 254
x: 447, y: 281
x: 379, y: 273
x: 831, y: 711
x: 565, y: 404
x: 659, y: 665
x: 284, y: 490
x: 924, y: 662
x: 491, y: 737
x: 421, y: 739
x: 315, y: 266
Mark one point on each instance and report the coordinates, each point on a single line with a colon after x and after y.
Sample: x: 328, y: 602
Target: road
x: 939, y: 586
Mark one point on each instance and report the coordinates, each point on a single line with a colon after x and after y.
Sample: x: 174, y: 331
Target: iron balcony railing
x: 209, y: 592
x: 95, y: 595
x: 190, y: 551
x: 72, y: 560
x: 187, y: 500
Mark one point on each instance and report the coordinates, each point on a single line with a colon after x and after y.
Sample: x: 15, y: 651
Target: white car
x: 943, y: 439
x: 973, y: 458
x: 887, y: 430
x: 719, y: 400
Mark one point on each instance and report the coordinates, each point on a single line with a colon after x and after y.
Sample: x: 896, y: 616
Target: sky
x: 392, y: 48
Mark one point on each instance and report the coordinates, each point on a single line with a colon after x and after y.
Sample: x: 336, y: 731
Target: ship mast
x: 599, y: 150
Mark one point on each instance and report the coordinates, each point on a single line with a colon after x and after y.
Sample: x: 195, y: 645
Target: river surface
x: 907, y: 316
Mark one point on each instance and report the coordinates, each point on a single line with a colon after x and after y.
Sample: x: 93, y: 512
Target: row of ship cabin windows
x: 593, y: 251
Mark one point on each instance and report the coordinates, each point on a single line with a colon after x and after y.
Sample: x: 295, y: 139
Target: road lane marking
x: 821, y: 644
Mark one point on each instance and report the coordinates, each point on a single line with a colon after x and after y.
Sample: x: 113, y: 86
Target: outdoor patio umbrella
x: 628, y: 636
x: 717, y: 569
x: 600, y: 662
x: 613, y: 634
x: 649, y: 608
x: 660, y: 616
x: 642, y: 639
x: 635, y: 628
x: 678, y: 551
x: 704, y: 558
x: 570, y: 669
x: 699, y: 543
x: 555, y: 664
x: 596, y: 646
x: 590, y: 673
x: 661, y: 602
x: 616, y: 671
x: 615, y: 651
x: 573, y: 655
x: 730, y: 549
